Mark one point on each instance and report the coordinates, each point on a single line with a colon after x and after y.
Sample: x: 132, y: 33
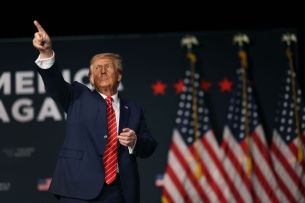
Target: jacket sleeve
x: 146, y: 144
x: 61, y: 91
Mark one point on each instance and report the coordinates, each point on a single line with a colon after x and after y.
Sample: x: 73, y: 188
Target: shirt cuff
x: 131, y: 149
x: 45, y: 63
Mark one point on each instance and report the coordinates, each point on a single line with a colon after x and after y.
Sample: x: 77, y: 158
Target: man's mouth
x: 104, y: 78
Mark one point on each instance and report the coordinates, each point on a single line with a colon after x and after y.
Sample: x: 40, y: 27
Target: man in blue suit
x: 79, y: 175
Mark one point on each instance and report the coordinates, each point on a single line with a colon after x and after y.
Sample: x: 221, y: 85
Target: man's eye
x: 108, y: 66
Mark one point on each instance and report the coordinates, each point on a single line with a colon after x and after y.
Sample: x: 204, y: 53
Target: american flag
x: 159, y: 180
x: 285, y: 143
x: 193, y: 172
x: 246, y: 158
x: 44, y: 184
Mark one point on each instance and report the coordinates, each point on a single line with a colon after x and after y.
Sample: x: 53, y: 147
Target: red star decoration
x: 159, y: 87
x: 179, y: 86
x: 226, y: 85
x: 205, y: 85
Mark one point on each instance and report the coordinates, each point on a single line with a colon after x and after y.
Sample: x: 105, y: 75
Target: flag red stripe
x: 264, y: 184
x: 283, y: 162
x: 177, y: 183
x: 286, y: 165
x: 285, y: 191
x: 207, y: 146
x: 263, y: 148
x: 257, y: 170
x: 230, y: 154
x: 167, y: 196
x: 189, y: 173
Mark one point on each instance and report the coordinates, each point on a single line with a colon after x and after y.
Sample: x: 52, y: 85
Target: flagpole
x: 240, y: 39
x: 288, y: 38
x: 189, y: 41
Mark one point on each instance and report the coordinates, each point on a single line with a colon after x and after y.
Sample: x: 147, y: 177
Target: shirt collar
x: 115, y: 97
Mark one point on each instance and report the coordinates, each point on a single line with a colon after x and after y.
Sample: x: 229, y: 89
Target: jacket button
x: 105, y: 136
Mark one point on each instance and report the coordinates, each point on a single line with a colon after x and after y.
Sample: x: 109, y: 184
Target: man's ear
x: 120, y: 77
x: 91, y: 79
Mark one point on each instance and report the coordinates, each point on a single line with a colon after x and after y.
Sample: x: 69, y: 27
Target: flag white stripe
x: 173, y: 192
x: 209, y: 192
x: 281, y: 171
x: 264, y: 167
x: 259, y: 190
x: 180, y: 171
x: 182, y: 177
x: 283, y: 175
x: 212, y: 167
x: 230, y: 167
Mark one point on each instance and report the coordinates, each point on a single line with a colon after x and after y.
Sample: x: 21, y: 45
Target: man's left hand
x: 127, y: 137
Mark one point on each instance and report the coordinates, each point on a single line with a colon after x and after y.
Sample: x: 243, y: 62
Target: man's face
x: 105, y: 76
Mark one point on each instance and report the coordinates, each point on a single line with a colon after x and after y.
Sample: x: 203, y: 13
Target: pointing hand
x: 42, y: 42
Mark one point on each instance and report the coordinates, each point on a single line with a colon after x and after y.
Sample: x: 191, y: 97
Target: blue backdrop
x: 32, y: 126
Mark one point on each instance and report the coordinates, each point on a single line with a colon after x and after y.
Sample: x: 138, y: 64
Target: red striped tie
x: 110, y: 154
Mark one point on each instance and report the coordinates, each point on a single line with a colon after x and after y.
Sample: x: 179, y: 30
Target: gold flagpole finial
x: 189, y: 41
x: 240, y: 39
x: 288, y: 38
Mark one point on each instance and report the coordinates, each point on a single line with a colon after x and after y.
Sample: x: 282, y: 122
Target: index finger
x: 38, y: 26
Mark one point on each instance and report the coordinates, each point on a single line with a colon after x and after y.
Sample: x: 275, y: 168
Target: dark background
x: 113, y: 18
x: 146, y: 18
x: 99, y: 18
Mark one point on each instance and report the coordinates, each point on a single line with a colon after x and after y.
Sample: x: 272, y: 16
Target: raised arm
x: 42, y: 42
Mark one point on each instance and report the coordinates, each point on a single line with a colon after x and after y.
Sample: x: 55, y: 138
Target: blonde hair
x: 115, y: 57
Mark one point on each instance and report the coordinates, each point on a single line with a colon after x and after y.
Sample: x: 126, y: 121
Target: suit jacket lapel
x: 124, y: 114
x: 102, y: 107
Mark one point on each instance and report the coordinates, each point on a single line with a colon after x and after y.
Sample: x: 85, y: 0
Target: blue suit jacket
x: 79, y: 172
